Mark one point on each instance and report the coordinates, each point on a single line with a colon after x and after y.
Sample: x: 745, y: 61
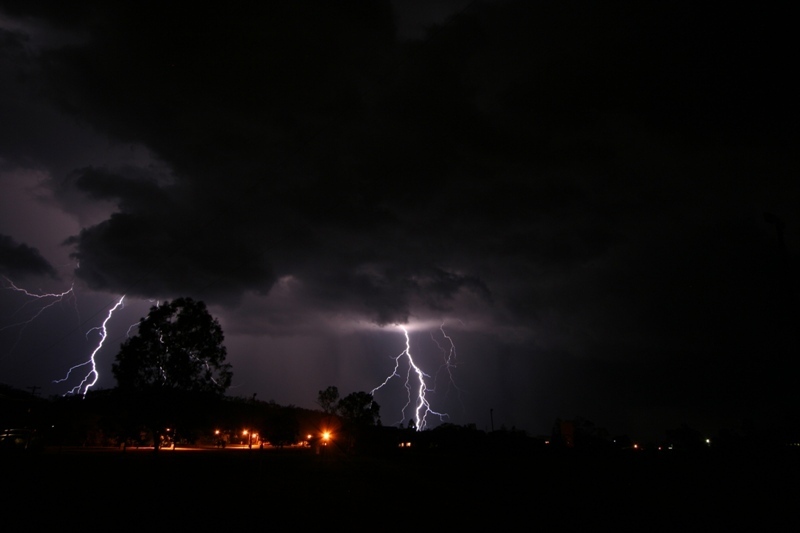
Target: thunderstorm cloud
x: 584, y: 183
x: 18, y: 260
x: 512, y: 147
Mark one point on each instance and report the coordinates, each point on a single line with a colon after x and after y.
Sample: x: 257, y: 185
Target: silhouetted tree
x: 176, y: 358
x: 328, y: 399
x: 360, y: 408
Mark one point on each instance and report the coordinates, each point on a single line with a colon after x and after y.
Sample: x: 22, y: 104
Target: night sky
x: 597, y: 202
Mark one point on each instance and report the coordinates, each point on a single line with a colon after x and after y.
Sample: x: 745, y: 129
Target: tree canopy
x: 179, y: 347
x: 327, y: 399
x: 357, y: 407
x: 360, y: 408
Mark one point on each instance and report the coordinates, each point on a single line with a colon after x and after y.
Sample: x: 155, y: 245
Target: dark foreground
x: 206, y: 490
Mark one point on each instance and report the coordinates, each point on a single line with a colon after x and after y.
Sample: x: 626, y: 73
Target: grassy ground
x: 192, y: 490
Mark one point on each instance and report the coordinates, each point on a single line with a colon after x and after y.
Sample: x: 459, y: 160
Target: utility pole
x: 491, y: 418
x: 33, y: 390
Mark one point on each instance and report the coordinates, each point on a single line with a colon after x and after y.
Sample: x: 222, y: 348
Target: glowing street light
x: 219, y: 441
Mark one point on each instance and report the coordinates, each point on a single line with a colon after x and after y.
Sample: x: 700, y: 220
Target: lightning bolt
x: 49, y: 299
x: 449, y: 356
x: 415, y: 381
x: 92, y: 375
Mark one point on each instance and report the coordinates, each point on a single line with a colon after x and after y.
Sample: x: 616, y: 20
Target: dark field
x: 236, y: 489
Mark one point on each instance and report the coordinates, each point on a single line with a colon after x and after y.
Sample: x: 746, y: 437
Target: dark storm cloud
x: 151, y: 254
x: 18, y: 260
x: 158, y: 245
x: 601, y: 196
x: 527, y: 152
x: 387, y: 293
x: 13, y: 66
